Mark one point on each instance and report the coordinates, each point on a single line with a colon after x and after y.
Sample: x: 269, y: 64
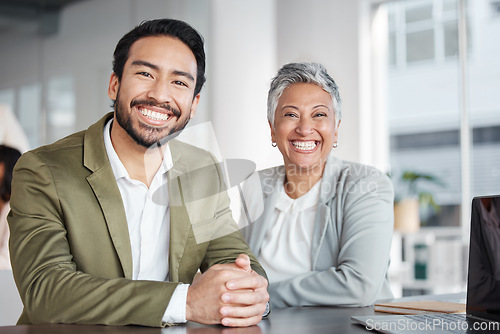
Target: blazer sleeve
x: 50, y: 286
x: 364, y: 237
x: 226, y: 242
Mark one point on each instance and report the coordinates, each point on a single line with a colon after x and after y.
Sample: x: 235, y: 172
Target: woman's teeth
x: 304, y: 145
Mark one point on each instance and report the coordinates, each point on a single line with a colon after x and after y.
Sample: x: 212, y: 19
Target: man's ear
x: 194, y: 105
x: 114, y: 86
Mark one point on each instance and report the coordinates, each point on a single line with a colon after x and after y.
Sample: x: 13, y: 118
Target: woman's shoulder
x: 354, y: 180
x: 350, y: 173
x: 269, y: 177
x: 272, y: 172
x: 355, y: 169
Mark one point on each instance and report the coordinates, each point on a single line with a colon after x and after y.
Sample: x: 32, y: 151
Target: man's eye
x: 180, y: 83
x: 145, y: 74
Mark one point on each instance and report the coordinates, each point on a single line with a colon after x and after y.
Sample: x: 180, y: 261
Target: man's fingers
x: 253, y: 281
x: 245, y: 297
x: 242, y: 322
x: 243, y: 261
x: 242, y: 311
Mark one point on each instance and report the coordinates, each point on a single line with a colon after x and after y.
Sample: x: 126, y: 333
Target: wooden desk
x: 293, y: 320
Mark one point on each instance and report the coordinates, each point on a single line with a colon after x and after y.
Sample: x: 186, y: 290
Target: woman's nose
x: 305, y: 127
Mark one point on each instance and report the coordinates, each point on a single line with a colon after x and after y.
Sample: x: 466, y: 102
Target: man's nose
x: 160, y: 91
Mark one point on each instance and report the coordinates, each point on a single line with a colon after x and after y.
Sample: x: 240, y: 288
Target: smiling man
x: 106, y: 223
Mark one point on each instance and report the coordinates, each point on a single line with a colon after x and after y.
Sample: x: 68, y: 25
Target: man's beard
x: 145, y: 135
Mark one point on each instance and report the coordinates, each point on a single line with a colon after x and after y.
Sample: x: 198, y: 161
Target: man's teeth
x: 304, y: 145
x: 154, y: 115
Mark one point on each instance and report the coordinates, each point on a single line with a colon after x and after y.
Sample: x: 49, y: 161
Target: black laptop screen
x: 483, y: 283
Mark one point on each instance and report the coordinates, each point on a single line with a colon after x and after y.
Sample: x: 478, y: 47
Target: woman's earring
x: 335, y: 145
x: 274, y: 144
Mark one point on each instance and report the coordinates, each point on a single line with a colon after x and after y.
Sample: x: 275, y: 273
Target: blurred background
x: 419, y: 79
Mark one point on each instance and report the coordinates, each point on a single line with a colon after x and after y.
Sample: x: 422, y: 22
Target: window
x: 424, y: 99
x: 422, y: 31
x: 61, y: 107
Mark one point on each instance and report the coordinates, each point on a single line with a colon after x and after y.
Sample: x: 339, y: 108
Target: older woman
x: 325, y: 231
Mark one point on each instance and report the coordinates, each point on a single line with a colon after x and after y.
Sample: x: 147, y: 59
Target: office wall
x: 246, y: 43
x: 326, y: 32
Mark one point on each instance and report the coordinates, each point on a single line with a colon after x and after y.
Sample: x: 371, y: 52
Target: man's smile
x: 154, y: 115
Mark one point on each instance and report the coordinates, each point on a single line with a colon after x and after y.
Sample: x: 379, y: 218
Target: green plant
x: 412, y: 179
x: 414, y: 204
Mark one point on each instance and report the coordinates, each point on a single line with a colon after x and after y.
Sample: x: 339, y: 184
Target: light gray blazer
x: 351, y: 239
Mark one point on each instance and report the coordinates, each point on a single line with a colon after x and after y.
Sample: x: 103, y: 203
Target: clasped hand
x: 230, y: 294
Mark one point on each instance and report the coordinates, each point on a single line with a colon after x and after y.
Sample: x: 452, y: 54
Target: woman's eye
x: 290, y: 115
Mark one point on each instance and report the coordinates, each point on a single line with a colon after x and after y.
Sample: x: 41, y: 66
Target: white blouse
x: 286, y: 251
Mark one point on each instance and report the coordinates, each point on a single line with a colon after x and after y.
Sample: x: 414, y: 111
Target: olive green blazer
x: 70, y: 245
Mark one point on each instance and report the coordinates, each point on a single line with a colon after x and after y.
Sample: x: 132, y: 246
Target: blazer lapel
x: 103, y: 183
x: 329, y: 180
x: 179, y: 219
x: 270, y: 192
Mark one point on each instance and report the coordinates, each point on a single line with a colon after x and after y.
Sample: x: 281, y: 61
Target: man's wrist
x: 268, y: 310
x: 176, y: 309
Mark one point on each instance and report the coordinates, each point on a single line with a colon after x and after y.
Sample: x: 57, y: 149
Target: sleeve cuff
x: 176, y: 309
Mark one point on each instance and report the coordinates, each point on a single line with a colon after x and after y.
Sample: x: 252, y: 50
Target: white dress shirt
x: 148, y: 218
x: 286, y: 251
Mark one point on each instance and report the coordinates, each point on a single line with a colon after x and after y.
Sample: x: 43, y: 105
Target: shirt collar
x: 307, y: 201
x: 117, y: 166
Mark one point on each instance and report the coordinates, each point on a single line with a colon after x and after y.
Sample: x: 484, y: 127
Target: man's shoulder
x: 190, y: 155
x: 71, y: 147
x: 61, y: 149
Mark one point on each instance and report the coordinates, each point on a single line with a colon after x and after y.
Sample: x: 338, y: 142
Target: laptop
x: 483, y: 284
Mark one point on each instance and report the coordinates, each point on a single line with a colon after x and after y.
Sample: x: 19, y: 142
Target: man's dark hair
x: 167, y: 27
x: 8, y: 158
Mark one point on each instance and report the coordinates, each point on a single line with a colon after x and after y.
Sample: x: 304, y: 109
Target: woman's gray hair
x: 294, y: 73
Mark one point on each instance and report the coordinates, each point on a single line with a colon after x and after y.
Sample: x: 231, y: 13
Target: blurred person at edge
x: 104, y: 228
x: 11, y: 132
x: 325, y: 233
x: 8, y: 159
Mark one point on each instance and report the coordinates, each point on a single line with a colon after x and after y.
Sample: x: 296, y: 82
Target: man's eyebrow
x: 156, y: 68
x: 184, y: 74
x: 145, y: 63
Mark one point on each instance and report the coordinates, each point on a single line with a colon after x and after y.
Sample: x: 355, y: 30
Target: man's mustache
x: 167, y: 107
